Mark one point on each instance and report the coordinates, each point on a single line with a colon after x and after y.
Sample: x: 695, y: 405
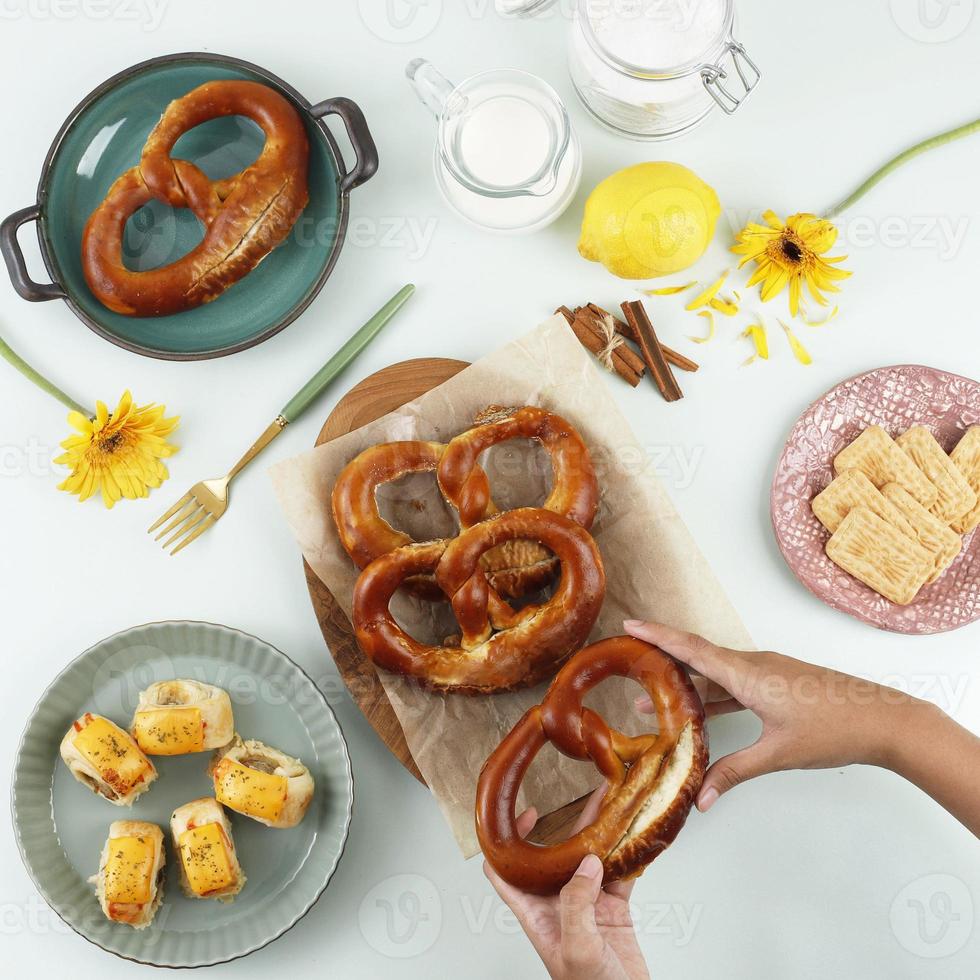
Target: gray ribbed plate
x: 61, y: 826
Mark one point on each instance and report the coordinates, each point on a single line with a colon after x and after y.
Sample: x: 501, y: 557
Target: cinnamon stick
x: 623, y: 351
x: 660, y: 372
x: 670, y: 355
x: 592, y: 339
x: 678, y: 360
x: 625, y: 330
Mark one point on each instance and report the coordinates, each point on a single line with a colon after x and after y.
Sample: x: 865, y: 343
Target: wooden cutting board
x: 373, y: 397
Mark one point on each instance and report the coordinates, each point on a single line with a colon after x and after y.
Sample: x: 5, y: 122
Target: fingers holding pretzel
x: 652, y: 779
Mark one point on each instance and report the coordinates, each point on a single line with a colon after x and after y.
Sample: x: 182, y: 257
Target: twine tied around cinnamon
x: 611, y: 342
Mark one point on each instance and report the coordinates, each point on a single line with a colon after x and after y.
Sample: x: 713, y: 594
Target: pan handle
x: 360, y: 136
x: 27, y: 288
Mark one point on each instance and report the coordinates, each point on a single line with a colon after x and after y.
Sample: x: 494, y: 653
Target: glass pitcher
x: 654, y: 69
x: 506, y: 157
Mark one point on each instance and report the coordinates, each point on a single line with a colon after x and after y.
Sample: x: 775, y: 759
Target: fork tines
x: 188, y: 519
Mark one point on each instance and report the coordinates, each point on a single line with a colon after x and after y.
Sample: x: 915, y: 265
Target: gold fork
x: 204, y: 504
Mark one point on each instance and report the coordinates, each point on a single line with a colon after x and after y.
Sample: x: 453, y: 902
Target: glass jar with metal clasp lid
x: 654, y: 69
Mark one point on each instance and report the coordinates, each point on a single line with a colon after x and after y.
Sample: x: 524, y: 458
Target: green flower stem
x: 12, y: 357
x: 913, y: 151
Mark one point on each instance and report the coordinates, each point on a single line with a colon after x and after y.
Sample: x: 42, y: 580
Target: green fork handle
x: 315, y: 386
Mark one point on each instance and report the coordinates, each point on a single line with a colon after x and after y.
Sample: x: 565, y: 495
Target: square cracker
x: 876, y: 454
x: 853, y: 489
x: 880, y: 556
x: 955, y: 495
x: 966, y: 458
x: 940, y: 541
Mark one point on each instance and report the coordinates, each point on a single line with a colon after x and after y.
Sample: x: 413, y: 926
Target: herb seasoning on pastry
x: 181, y: 716
x: 209, y: 866
x: 105, y: 758
x: 262, y: 783
x: 129, y: 882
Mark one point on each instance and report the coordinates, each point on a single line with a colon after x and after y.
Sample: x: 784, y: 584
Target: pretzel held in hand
x: 652, y: 779
x: 245, y: 216
x: 500, y: 649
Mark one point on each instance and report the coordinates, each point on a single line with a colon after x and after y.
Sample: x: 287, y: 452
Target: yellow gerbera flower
x: 117, y: 453
x: 791, y: 254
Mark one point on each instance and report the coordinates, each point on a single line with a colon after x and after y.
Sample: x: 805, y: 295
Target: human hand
x: 812, y: 717
x: 585, y: 932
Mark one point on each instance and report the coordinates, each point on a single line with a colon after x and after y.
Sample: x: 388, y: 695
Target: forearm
x: 942, y: 758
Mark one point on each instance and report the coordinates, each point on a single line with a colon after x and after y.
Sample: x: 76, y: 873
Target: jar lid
x: 657, y: 37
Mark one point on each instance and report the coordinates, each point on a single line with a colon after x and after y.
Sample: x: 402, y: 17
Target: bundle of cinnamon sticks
x: 606, y: 337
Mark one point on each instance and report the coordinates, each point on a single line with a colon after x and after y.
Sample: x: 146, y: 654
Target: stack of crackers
x: 898, y: 508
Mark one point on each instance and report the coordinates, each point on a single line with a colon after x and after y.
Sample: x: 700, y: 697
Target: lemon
x: 653, y: 219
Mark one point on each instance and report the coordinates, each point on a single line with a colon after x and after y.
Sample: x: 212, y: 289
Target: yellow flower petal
x: 702, y: 299
x: 726, y: 307
x: 756, y: 332
x: 799, y: 351
x: 821, y: 323
x: 711, y: 328
x: 670, y: 290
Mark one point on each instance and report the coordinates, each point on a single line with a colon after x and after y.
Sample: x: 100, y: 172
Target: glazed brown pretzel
x: 245, y: 216
x: 575, y: 490
x: 528, y: 644
x: 363, y: 532
x: 652, y: 779
x: 522, y: 566
x: 514, y: 568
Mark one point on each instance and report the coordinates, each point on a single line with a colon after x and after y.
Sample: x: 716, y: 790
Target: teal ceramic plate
x: 61, y: 825
x: 104, y: 136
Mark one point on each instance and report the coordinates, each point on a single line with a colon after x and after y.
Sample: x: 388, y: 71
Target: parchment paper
x: 654, y: 570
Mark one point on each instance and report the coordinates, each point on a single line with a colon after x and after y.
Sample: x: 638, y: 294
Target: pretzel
x: 575, y: 490
x: 522, y: 566
x: 245, y: 216
x: 514, y: 568
x: 500, y: 649
x: 652, y: 779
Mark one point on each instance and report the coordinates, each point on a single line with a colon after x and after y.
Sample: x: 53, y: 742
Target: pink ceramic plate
x: 896, y: 398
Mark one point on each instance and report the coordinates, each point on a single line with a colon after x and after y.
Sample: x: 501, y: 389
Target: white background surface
x: 792, y: 875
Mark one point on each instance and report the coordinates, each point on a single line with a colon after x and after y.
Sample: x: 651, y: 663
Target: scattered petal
x: 820, y: 323
x: 799, y: 351
x: 711, y: 328
x: 704, y: 298
x: 669, y: 290
x: 756, y: 332
x: 726, y: 307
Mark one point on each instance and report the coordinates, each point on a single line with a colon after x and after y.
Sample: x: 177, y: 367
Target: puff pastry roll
x: 107, y: 759
x: 181, y: 716
x: 261, y: 782
x: 129, y: 882
x: 205, y: 849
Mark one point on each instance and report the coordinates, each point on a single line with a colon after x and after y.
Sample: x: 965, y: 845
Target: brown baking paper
x: 654, y: 570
